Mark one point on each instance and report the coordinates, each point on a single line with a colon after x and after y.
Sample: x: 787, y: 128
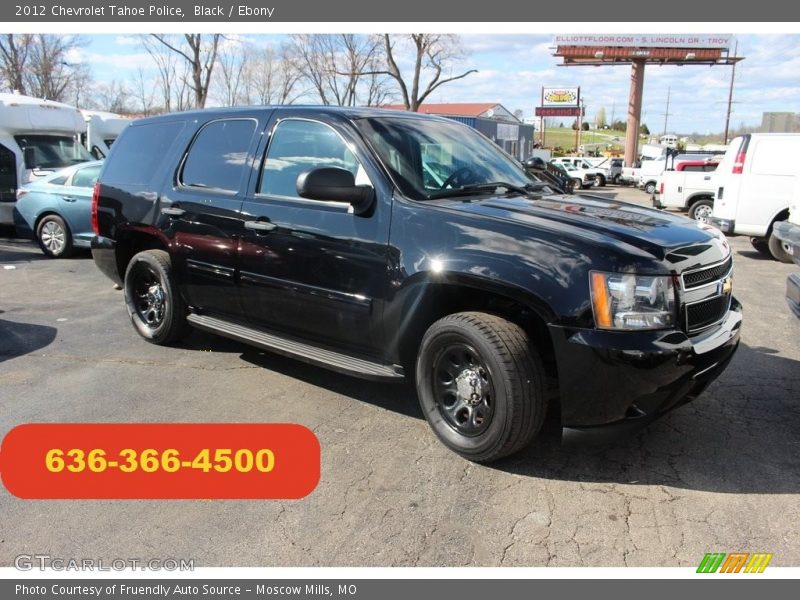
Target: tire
x: 650, y: 188
x: 577, y: 184
x: 465, y: 350
x: 617, y: 179
x: 778, y: 249
x: 154, y: 304
x: 701, y: 210
x: 54, y: 237
x: 599, y: 181
x: 760, y: 245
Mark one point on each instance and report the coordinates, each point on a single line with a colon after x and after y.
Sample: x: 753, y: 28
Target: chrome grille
x: 706, y: 275
x: 706, y: 296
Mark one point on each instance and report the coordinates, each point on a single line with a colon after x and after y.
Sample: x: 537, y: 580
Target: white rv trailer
x: 102, y: 128
x: 37, y: 137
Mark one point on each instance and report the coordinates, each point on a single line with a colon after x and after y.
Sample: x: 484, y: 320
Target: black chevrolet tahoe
x: 388, y: 245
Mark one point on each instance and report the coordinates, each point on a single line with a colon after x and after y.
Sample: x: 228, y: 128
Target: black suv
x: 390, y: 245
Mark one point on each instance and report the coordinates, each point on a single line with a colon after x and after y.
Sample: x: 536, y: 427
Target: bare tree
x: 14, y: 50
x: 433, y: 55
x: 232, y: 58
x: 173, y: 74
x: 113, y: 96
x: 340, y: 69
x: 271, y: 76
x: 200, y: 56
x: 38, y: 65
x: 144, y: 93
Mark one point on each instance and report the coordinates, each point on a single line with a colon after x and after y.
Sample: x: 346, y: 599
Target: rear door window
x: 218, y: 155
x: 86, y: 178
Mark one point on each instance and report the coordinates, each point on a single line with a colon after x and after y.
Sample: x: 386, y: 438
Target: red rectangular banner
x: 160, y: 460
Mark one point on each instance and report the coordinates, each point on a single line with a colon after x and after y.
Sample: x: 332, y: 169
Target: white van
x: 37, y: 137
x: 753, y: 188
x: 102, y: 128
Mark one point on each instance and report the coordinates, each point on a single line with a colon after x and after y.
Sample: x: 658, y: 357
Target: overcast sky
x: 512, y: 68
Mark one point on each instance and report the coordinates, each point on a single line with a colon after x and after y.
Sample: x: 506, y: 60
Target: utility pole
x: 730, y: 94
x: 666, y: 112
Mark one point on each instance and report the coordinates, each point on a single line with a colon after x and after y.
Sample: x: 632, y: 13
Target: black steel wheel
x: 481, y: 385
x: 154, y: 304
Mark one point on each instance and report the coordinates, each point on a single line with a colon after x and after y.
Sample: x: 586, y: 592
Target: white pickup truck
x: 688, y: 187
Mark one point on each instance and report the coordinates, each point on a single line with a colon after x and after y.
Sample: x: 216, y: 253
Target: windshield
x: 427, y: 157
x: 51, y: 151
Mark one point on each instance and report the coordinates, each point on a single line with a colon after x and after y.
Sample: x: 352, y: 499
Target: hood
x: 664, y: 236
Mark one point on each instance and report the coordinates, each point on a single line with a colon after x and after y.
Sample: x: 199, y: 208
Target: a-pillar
x: 634, y: 112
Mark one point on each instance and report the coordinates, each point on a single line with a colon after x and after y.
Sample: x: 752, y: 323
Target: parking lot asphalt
x: 721, y: 474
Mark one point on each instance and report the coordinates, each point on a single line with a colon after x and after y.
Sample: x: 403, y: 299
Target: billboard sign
x: 561, y: 97
x: 719, y: 41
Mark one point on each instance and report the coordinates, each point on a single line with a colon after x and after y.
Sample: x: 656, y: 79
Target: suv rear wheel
x: 151, y: 295
x: 481, y: 385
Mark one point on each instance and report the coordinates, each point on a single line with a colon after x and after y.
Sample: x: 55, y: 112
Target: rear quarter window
x: 139, y: 152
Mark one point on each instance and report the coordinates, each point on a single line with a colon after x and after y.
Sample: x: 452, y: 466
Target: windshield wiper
x: 490, y: 187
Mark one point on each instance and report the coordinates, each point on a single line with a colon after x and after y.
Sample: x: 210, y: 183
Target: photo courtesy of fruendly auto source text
x: 377, y: 301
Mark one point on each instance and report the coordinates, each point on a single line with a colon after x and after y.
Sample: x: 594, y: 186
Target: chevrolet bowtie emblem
x: 726, y: 286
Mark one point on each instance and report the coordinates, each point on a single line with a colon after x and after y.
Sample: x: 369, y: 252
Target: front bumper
x: 724, y: 225
x: 789, y: 233
x: 793, y: 293
x: 105, y: 257
x: 615, y: 381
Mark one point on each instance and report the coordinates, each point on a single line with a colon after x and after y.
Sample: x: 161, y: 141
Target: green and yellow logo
x: 736, y: 562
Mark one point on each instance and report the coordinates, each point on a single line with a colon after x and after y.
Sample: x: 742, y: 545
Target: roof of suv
x: 346, y: 112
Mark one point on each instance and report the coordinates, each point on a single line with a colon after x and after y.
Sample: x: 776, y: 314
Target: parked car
x: 551, y: 174
x: 689, y: 187
x: 579, y: 176
x: 596, y: 176
x: 754, y: 185
x: 788, y: 232
x: 56, y: 209
x: 314, y: 232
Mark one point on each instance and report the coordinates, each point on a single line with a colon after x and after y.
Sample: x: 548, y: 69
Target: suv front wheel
x: 151, y: 295
x: 481, y: 385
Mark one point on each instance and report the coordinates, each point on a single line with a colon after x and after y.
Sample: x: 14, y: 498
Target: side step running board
x: 305, y: 352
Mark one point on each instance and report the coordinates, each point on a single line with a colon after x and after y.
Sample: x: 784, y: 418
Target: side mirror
x: 29, y: 154
x: 332, y: 184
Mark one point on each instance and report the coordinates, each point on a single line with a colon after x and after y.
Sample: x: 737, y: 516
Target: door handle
x: 69, y: 198
x: 259, y: 225
x: 707, y: 178
x: 172, y: 211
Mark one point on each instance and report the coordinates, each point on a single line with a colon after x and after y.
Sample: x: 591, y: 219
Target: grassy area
x: 564, y: 137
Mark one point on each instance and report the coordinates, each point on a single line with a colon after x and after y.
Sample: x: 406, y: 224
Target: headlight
x: 625, y: 301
